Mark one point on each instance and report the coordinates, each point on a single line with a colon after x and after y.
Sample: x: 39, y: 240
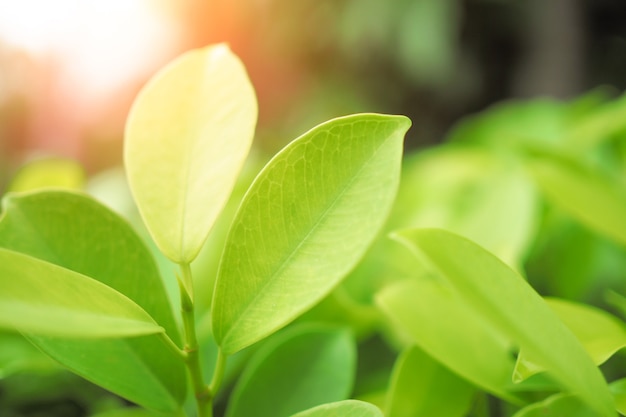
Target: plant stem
x: 204, y: 400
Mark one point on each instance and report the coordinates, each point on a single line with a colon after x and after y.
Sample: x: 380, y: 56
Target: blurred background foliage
x: 70, y: 69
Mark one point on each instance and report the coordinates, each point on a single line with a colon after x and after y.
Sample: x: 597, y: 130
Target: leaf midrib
x: 283, y: 265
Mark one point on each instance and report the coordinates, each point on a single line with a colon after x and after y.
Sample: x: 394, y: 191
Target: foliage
x: 293, y: 298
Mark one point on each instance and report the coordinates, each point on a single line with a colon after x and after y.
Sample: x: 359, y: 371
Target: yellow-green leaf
x: 590, y: 196
x: 422, y: 387
x: 437, y: 319
x: 304, y: 223
x: 42, y: 298
x: 49, y: 172
x: 505, y: 300
x: 600, y: 333
x: 187, y: 136
x: 347, y: 408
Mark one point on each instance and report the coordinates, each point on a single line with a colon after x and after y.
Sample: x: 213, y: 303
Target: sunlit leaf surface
x: 187, y: 136
x: 438, y: 321
x: 347, y: 408
x: 305, y: 222
x: 600, y: 333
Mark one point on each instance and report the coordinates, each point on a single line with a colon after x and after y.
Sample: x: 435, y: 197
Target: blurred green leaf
x: 422, y: 387
x: 44, y: 299
x: 304, y: 367
x: 598, y: 125
x: 347, y: 408
x: 50, y: 172
x: 600, y: 333
x: 508, y: 124
x: 76, y: 232
x: 438, y: 321
x: 19, y: 355
x: 559, y: 405
x: 618, y: 389
x: 480, y: 194
x: 187, y: 137
x: 332, y: 186
x: 507, y: 302
x: 126, y: 412
x: 595, y: 199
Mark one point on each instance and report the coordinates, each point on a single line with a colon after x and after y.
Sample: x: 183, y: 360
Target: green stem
x: 201, y: 391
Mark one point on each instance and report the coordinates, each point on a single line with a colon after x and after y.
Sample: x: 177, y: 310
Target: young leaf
x: 304, y: 367
x: 305, y: 222
x: 347, y: 408
x: 596, y: 200
x: 600, y: 333
x: 187, y: 136
x: 77, y: 233
x: 438, y: 321
x: 507, y: 302
x: 41, y: 298
x: 422, y: 387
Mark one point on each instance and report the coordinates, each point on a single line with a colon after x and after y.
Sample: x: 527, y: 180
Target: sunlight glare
x: 98, y: 44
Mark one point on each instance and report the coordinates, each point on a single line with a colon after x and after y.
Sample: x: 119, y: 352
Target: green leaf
x: 596, y: 200
x: 437, y: 319
x: 347, y: 408
x: 480, y: 194
x: 618, y: 389
x: 305, y: 222
x: 304, y: 367
x: 507, y: 302
x: 44, y: 299
x: 18, y: 355
x: 600, y: 333
x: 594, y: 127
x: 558, y: 405
x: 76, y: 232
x: 187, y: 136
x: 50, y: 172
x: 514, y: 122
x: 422, y: 387
x: 126, y: 412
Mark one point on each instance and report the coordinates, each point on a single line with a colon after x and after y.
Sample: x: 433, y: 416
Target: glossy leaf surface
x: 302, y: 368
x: 76, y: 232
x: 347, y: 408
x: 305, y: 222
x: 595, y: 199
x: 44, y: 299
x: 187, y: 136
x: 600, y: 333
x: 507, y: 302
x: 422, y: 387
x: 438, y: 321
